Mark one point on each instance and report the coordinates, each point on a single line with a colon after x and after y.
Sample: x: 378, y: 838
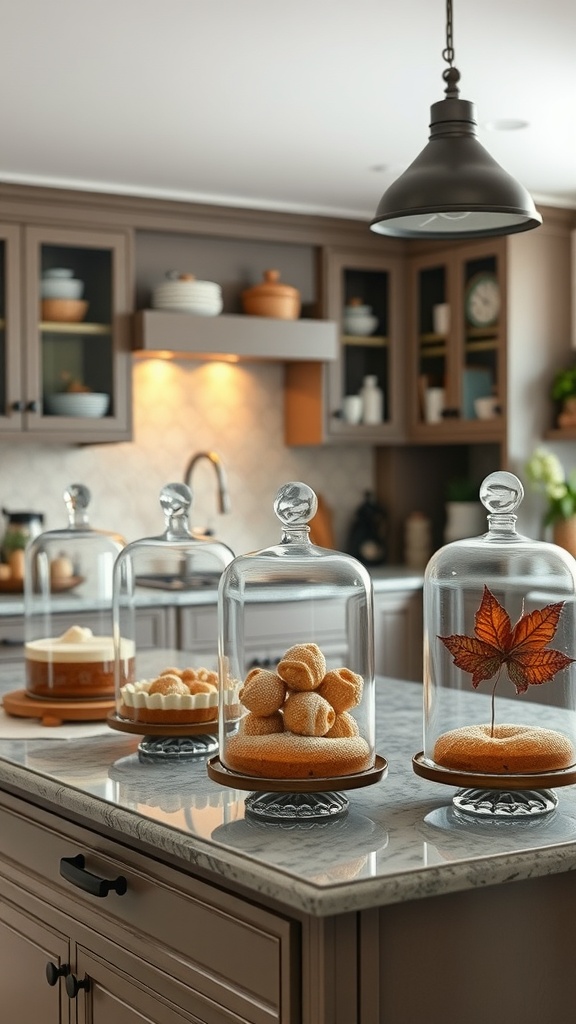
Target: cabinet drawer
x: 215, y: 943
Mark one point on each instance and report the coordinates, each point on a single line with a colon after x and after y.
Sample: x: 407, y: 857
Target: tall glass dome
x: 163, y: 692
x: 499, y: 665
x: 304, y: 725
x: 69, y: 654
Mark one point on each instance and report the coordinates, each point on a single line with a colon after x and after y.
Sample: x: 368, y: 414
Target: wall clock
x: 482, y: 300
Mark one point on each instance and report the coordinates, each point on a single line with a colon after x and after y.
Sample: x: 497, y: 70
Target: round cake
x: 175, y: 697
x: 75, y: 666
x: 285, y: 755
x: 513, y: 749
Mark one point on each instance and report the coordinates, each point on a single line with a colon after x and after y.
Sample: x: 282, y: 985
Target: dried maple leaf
x: 520, y: 648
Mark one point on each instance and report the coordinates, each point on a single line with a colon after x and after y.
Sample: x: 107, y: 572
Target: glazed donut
x: 263, y: 692
x: 303, y: 667
x: 342, y: 688
x: 512, y: 748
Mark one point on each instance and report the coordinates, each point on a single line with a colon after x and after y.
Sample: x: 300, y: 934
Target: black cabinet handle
x: 33, y: 406
x: 18, y: 406
x: 73, y: 985
x: 53, y: 972
x: 72, y: 869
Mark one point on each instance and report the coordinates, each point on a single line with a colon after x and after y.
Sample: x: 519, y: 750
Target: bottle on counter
x: 372, y: 401
x: 368, y: 537
x: 417, y: 540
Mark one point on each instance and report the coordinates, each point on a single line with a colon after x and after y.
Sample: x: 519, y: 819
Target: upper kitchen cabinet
x: 457, y: 330
x: 56, y: 359
x: 314, y: 403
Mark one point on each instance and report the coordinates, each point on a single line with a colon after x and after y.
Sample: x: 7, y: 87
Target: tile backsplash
x: 181, y: 408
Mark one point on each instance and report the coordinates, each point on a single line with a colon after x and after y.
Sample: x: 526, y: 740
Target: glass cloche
x: 298, y: 729
x: 499, y: 665
x: 163, y: 692
x: 69, y: 653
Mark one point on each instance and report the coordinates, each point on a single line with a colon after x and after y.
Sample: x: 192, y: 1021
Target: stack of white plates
x: 201, y: 297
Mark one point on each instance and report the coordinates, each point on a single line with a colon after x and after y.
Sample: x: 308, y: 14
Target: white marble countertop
x: 386, y: 578
x: 400, y: 840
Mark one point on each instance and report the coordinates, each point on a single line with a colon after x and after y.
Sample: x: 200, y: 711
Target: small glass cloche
x: 165, y: 691
x: 302, y: 723
x: 499, y: 665
x: 68, y: 573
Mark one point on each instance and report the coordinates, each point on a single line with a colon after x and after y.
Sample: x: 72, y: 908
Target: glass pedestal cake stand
x: 163, y: 743
x: 498, y: 796
x: 296, y: 800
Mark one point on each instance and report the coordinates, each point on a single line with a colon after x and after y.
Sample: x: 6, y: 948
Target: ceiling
x: 312, y: 106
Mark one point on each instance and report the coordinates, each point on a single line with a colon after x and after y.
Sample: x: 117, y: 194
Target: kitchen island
x: 402, y: 911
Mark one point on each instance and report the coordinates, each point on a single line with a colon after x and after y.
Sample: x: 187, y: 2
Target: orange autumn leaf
x: 521, y: 648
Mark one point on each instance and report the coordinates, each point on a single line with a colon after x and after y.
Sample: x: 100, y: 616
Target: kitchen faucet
x: 223, y: 496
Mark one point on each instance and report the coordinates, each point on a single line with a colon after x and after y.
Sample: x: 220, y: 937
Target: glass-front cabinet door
x: 76, y: 318
x: 10, y: 333
x: 458, y: 344
x: 360, y: 396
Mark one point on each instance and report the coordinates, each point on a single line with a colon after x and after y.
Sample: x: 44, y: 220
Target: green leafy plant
x: 564, y: 384
x: 546, y: 474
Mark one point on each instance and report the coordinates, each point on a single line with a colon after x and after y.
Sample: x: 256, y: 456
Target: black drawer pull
x: 73, y: 985
x: 72, y: 869
x: 53, y: 972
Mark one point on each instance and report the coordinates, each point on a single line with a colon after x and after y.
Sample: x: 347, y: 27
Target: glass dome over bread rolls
x: 499, y: 665
x: 69, y: 654
x: 165, y: 690
x: 301, y: 712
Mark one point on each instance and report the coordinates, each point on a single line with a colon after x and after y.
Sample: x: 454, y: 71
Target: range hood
x: 184, y: 335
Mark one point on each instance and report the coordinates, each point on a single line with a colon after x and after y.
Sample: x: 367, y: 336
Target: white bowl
x: 202, y: 307
x: 91, y: 404
x: 486, y: 408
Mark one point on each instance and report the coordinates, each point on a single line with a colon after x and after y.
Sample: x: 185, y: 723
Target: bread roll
x: 303, y: 667
x: 258, y: 725
x: 342, y: 688
x: 263, y: 692
x: 308, y: 714
x: 345, y: 725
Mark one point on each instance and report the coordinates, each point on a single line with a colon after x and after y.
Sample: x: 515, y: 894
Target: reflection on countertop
x: 400, y: 841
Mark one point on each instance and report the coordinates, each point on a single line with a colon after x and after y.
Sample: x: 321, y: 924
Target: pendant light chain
x: 451, y: 75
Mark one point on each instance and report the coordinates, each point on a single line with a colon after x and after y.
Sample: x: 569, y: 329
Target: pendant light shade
x: 454, y: 188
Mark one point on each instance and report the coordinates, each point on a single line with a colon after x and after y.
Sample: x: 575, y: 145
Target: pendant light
x: 454, y: 188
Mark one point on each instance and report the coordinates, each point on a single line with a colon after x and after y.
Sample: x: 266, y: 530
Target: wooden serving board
x: 55, y: 712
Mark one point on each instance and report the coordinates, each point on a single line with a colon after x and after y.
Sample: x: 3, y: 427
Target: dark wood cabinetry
x: 39, y: 357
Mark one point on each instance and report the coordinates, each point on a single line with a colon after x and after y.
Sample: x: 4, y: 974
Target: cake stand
x: 163, y: 743
x: 52, y: 712
x: 296, y: 800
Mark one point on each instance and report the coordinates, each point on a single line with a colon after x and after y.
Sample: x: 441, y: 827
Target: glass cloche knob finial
x: 501, y: 493
x: 77, y: 497
x: 176, y: 500
x: 295, y: 504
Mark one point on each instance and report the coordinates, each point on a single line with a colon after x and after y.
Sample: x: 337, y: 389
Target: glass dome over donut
x: 499, y: 655
x: 164, y: 686
x: 67, y: 607
x: 300, y: 708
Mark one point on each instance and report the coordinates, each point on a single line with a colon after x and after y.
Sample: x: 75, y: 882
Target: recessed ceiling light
x: 509, y: 124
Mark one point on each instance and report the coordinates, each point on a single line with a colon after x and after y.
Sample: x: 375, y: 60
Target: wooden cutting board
x: 321, y: 526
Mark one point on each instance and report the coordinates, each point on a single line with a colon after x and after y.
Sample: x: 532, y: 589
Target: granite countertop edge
x: 229, y: 868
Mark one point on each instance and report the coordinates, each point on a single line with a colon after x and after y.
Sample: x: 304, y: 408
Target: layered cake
x: 75, y: 666
x: 175, y: 697
x: 298, y: 723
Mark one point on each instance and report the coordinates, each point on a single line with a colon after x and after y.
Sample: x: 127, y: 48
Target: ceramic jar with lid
x: 69, y: 571
x: 183, y: 292
x: 60, y: 283
x: 306, y: 722
x: 500, y: 665
x: 272, y: 298
x: 359, y: 319
x: 165, y: 691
